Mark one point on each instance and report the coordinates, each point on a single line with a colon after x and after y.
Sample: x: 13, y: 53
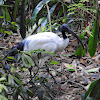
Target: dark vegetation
x: 74, y: 70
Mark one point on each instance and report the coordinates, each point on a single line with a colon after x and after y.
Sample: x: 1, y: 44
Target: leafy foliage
x: 80, y: 52
x: 27, y: 61
x: 37, y: 9
x: 93, y: 91
x: 36, y: 20
x: 14, y: 79
x: 93, y: 39
x: 2, y: 88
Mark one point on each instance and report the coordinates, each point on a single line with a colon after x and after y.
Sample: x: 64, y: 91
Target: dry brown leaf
x: 74, y: 42
x: 10, y: 44
x: 70, y: 48
x: 0, y: 43
x: 65, y: 65
x: 84, y: 80
x: 74, y: 63
x: 17, y: 41
x: 58, y: 79
x: 89, y: 67
x: 87, y: 54
x: 97, y: 59
x: 63, y: 86
x: 82, y: 61
x: 68, y: 1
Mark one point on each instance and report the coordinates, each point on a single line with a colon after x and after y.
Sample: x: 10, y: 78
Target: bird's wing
x: 46, y: 42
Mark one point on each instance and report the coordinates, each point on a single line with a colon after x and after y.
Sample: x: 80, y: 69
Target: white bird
x: 48, y: 41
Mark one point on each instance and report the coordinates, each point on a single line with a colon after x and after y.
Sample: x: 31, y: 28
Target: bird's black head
x: 66, y: 28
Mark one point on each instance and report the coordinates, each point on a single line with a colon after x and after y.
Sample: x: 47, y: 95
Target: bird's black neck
x: 64, y: 35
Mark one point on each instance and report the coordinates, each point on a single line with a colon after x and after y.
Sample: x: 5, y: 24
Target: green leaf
x: 87, y: 29
x: 1, y: 30
x: 34, y: 27
x: 13, y: 23
x: 17, y: 80
x: 7, y: 16
x: 51, y: 53
x: 93, y: 92
x: 3, y: 87
x: 95, y: 4
x: 71, y: 70
x: 90, y: 89
x: 1, y: 16
x: 29, y: 92
x: 16, y: 91
x: 80, y: 51
x: 43, y: 25
x: 82, y: 36
x: 93, y: 40
x: 10, y: 58
x: 67, y: 55
x: 99, y: 18
x: 92, y: 70
x: 24, y: 93
x: 71, y: 13
x: 26, y: 2
x: 3, y: 98
x: 5, y: 6
x: 73, y: 8
x: 84, y: 0
x: 17, y: 75
x: 27, y: 61
x: 54, y: 62
x: 16, y: 8
x: 76, y: 5
x: 7, y: 32
x: 2, y: 79
x: 37, y: 9
x: 10, y: 79
x: 17, y: 58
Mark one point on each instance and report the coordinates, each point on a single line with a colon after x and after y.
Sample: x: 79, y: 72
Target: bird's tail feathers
x: 15, y: 50
x: 11, y: 52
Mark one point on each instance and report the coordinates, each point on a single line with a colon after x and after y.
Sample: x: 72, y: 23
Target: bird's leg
x: 33, y: 76
x: 50, y: 73
x: 36, y: 72
x: 30, y: 70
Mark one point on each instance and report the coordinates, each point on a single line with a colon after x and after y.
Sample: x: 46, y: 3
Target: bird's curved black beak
x: 66, y: 28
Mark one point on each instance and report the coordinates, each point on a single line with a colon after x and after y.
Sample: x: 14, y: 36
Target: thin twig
x: 68, y: 81
x: 49, y: 17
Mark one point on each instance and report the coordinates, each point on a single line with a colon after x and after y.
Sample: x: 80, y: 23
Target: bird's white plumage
x: 48, y: 41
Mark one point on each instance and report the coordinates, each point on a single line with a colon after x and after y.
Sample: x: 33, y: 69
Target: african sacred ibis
x: 48, y: 41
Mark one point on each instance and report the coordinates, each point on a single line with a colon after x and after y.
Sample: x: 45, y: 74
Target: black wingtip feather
x: 19, y: 46
x: 14, y: 50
